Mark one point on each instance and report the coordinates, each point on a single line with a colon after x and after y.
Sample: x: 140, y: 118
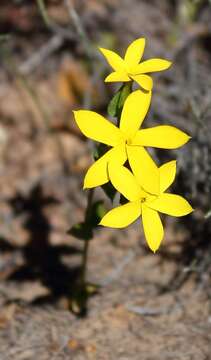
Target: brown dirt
x: 140, y: 311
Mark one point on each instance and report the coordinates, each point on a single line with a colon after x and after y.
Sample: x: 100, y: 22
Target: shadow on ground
x: 42, y: 261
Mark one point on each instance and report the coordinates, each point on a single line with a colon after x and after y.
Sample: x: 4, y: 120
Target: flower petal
x: 122, y: 216
x: 144, y: 169
x: 153, y: 65
x: 117, y: 76
x: 124, y: 181
x: 145, y: 81
x: 97, y: 128
x: 116, y: 62
x: 163, y: 136
x: 134, y: 52
x: 153, y: 227
x: 134, y: 111
x: 167, y: 175
x: 98, y: 172
x: 171, y: 204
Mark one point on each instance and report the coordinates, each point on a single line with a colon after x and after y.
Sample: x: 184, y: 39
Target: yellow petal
x: 163, y: 136
x: 117, y: 76
x: 134, y: 111
x: 134, y: 52
x: 122, y: 216
x: 97, y: 128
x: 153, y: 228
x: 116, y: 62
x: 145, y: 81
x: 152, y: 65
x: 98, y: 172
x: 171, y: 204
x: 124, y: 181
x: 167, y: 175
x: 144, y: 169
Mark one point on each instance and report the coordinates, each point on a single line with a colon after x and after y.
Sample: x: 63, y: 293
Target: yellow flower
x: 130, y: 68
x: 127, y: 139
x: 142, y: 202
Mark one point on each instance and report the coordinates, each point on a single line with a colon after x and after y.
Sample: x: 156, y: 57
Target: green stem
x: 44, y: 12
x: 87, y: 240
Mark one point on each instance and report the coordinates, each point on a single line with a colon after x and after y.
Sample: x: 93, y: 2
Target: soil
x: 146, y: 306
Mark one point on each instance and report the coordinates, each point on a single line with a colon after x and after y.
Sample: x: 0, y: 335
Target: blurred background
x: 50, y: 65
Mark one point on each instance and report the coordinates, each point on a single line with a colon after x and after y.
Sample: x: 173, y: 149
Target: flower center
x: 143, y: 199
x: 129, y: 141
x: 131, y: 70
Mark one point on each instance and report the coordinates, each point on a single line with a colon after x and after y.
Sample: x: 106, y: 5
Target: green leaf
x: 125, y: 92
x: 84, y: 230
x: 81, y: 231
x: 114, y: 104
x: 117, y: 102
x: 109, y: 190
x: 97, y: 212
x: 99, y: 151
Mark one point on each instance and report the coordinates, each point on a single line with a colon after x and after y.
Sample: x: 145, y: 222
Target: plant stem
x: 84, y: 262
x: 44, y: 12
x: 87, y: 240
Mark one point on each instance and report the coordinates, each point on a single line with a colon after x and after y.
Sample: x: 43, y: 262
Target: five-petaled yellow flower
x: 125, y: 140
x: 130, y: 68
x: 144, y: 202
